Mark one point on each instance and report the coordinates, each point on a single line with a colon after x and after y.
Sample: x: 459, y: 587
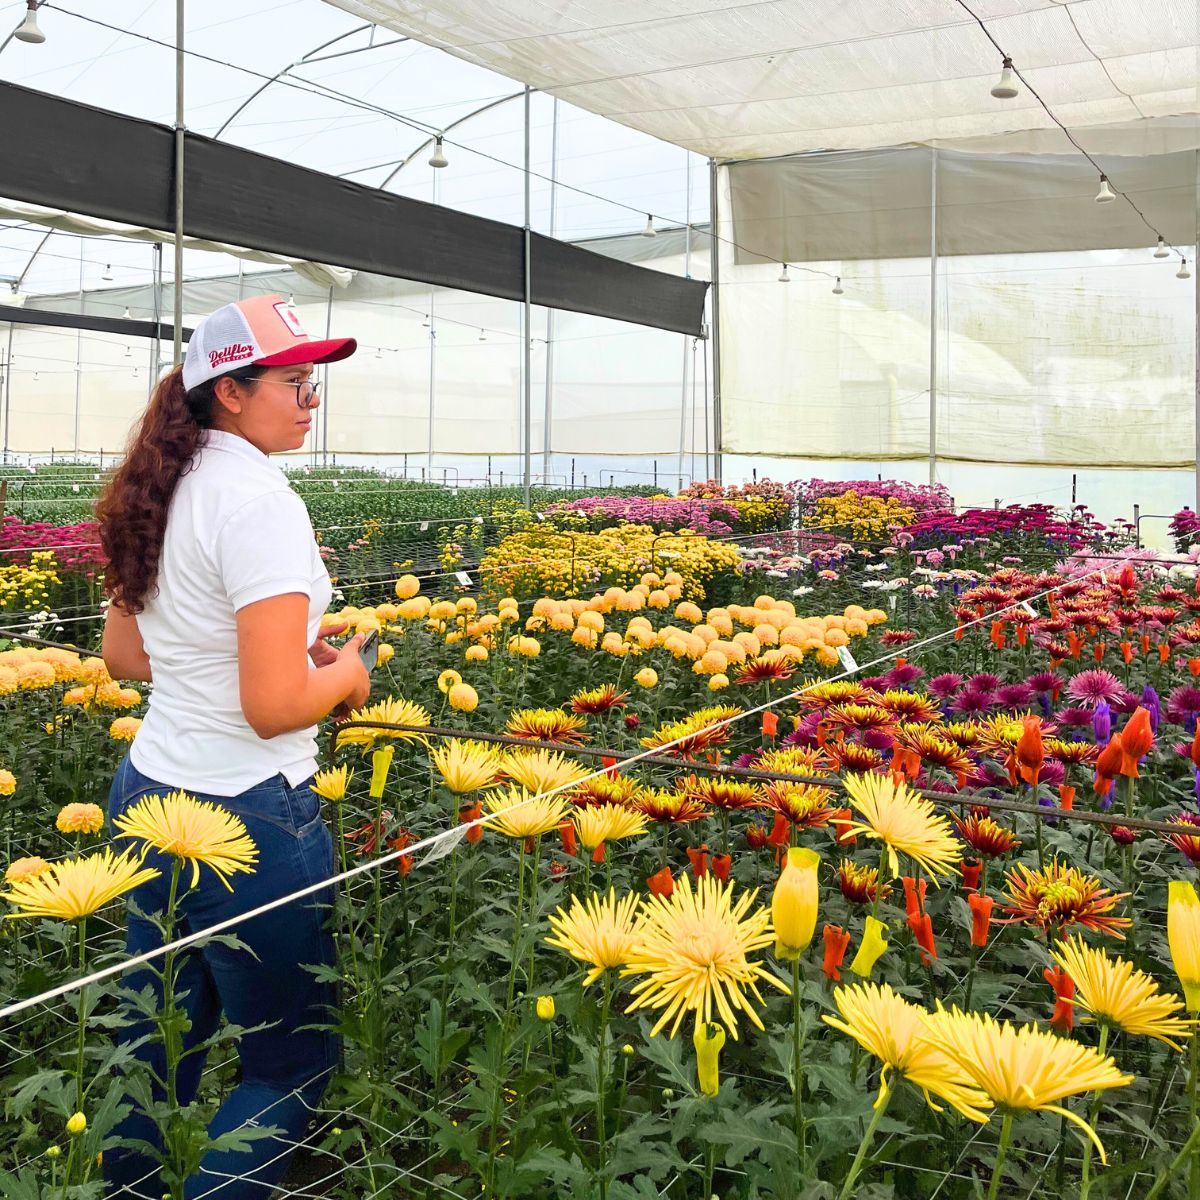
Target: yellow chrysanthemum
x: 124, y: 729
x: 1024, y: 1068
x: 191, y: 829
x: 597, y: 932
x: 79, y: 818
x: 392, y: 711
x: 466, y: 766
x: 905, y: 822
x: 77, y: 887
x: 521, y: 814
x: 36, y: 675
x: 8, y: 783
x: 894, y: 1030
x: 692, y: 947
x: 25, y: 868
x: 446, y: 680
x: 547, y: 725
x: 542, y: 770
x: 1113, y: 990
x: 331, y: 784
x: 600, y: 823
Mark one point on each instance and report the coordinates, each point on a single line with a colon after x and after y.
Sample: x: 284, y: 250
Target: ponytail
x: 132, y: 510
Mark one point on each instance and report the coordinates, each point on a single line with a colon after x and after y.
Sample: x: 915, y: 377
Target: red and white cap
x: 262, y: 331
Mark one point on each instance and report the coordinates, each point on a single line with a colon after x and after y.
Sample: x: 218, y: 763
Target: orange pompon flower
x: 988, y: 838
x: 981, y: 917
x: 1030, y: 755
x: 474, y: 835
x: 547, y: 725
x: 1137, y: 740
x: 1064, y: 998
x: 671, y: 808
x: 661, y: 883
x: 837, y: 941
x: 1057, y: 896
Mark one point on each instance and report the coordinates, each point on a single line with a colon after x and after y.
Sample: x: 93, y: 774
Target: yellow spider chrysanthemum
x: 77, y: 887
x: 1024, y: 1068
x: 521, y: 814
x: 391, y: 711
x: 547, y: 725
x: 191, y: 829
x: 600, y: 823
x: 692, y: 947
x: 25, y: 868
x: 905, y: 822
x: 1113, y: 990
x: 542, y: 770
x: 466, y: 766
x: 597, y: 932
x: 79, y: 818
x: 331, y: 785
x: 894, y: 1030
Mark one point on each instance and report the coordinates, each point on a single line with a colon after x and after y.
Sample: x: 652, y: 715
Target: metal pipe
x: 714, y: 310
x: 687, y: 272
x: 179, y: 132
x: 324, y: 408
x: 78, y: 355
x: 548, y: 408
x: 933, y: 317
x: 8, y: 389
x: 527, y: 381
x: 1196, y: 288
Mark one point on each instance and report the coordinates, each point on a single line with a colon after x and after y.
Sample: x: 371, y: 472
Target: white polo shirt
x: 236, y: 533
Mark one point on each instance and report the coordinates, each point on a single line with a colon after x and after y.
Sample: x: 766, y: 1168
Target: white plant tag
x: 1029, y: 608
x: 424, y: 526
x: 463, y: 578
x: 846, y: 658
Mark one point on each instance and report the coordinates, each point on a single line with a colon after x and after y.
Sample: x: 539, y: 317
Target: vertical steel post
x: 687, y: 272
x: 8, y: 389
x: 933, y: 316
x: 527, y: 381
x: 179, y: 132
x: 78, y: 356
x: 1196, y: 287
x: 548, y: 410
x: 714, y: 310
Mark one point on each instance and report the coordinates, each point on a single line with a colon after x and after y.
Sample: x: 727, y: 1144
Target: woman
x: 217, y: 591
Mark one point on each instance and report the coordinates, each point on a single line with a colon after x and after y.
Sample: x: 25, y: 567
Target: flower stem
x: 798, y: 1064
x: 1193, y: 1067
x: 1001, y: 1154
x: 601, y: 1054
x: 1189, y: 1151
x: 1085, y: 1182
x: 881, y: 1103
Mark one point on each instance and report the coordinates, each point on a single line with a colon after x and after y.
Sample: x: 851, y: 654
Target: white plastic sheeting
x: 740, y: 80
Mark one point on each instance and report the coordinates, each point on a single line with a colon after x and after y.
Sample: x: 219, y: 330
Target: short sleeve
x: 265, y: 548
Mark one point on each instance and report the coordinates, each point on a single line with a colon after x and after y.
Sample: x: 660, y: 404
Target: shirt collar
x: 219, y: 439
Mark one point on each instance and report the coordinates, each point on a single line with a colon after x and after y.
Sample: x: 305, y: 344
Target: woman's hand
x: 321, y: 652
x: 358, y: 672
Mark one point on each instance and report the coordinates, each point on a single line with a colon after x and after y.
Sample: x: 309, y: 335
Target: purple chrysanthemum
x: 1013, y: 695
x: 945, y: 686
x: 970, y: 702
x: 1183, y: 704
x: 878, y: 739
x: 1074, y: 718
x: 984, y: 682
x: 1092, y: 687
x: 903, y: 676
x: 1045, y: 681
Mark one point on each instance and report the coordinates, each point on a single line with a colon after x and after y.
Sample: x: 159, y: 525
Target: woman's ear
x: 228, y: 394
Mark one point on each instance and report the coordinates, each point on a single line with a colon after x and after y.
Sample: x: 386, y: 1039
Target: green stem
x: 970, y: 977
x: 1001, y: 1153
x: 798, y: 1064
x: 1193, y: 1071
x: 82, y: 1014
x: 881, y: 1103
x: 1085, y: 1182
x: 601, y: 1055
x: 1189, y: 1150
x: 172, y: 1050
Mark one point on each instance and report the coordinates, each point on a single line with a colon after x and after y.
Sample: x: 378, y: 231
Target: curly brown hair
x: 132, y: 509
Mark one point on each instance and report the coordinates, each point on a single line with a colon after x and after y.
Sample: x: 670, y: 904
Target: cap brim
x: 322, y: 351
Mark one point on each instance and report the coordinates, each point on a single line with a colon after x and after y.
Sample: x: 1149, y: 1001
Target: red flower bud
x: 661, y: 883
x: 971, y: 873
x: 720, y: 865
x: 836, y: 942
x: 981, y: 917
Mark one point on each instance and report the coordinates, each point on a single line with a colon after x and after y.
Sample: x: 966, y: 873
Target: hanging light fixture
x: 1005, y: 88
x: 1105, y: 194
x: 838, y: 290
x: 28, y: 30
x: 378, y: 351
x: 1161, y: 251
x: 107, y: 276
x: 128, y: 351
x: 127, y: 315
x: 425, y: 323
x: 1183, y: 272
x: 438, y: 157
x: 649, y: 231
x: 784, y: 277
x: 482, y: 336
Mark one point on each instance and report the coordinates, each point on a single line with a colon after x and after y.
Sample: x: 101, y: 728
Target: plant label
x: 463, y: 578
x: 846, y: 658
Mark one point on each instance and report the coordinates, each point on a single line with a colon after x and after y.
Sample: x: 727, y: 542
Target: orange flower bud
x: 837, y: 941
x: 981, y: 917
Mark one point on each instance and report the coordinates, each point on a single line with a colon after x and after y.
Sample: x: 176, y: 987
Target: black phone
x: 369, y: 650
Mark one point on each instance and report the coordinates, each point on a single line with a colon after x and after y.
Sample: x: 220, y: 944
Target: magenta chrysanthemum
x: 1094, y: 687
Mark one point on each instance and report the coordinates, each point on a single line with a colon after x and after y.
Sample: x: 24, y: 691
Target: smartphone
x: 369, y: 650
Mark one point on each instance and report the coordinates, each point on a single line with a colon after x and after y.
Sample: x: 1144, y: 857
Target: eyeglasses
x: 306, y: 392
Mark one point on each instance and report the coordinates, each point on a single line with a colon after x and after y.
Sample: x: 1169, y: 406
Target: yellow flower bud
x: 77, y: 1123
x: 708, y: 1040
x: 874, y: 943
x: 647, y: 677
x: 53, y: 1152
x: 1183, y: 938
x: 545, y: 1008
x: 794, y: 903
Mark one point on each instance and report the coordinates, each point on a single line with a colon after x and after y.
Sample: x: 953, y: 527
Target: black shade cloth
x: 89, y: 160
x: 11, y: 315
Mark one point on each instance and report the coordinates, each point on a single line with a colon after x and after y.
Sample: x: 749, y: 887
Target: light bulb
x: 1162, y: 251
x: 1105, y: 194
x: 128, y: 351
x: 425, y: 323
x: 127, y: 315
x: 482, y: 336
x: 1183, y: 272
x: 28, y: 30
x: 1005, y: 88
x: 838, y: 290
x: 649, y: 231
x: 378, y: 352
x: 783, y: 275
x: 438, y: 157
x: 107, y: 276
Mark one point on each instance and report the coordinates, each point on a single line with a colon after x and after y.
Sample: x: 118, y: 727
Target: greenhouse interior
x: 699, y: 696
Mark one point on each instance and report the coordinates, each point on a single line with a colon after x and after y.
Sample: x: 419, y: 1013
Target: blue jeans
x: 286, y: 1067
